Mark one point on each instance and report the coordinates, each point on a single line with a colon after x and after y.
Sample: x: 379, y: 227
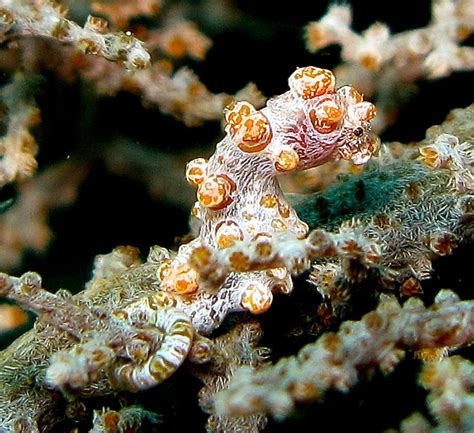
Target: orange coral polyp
x: 310, y: 82
x: 364, y: 111
x: 430, y: 156
x: 214, y: 192
x: 236, y: 113
x: 249, y: 128
x: 256, y: 133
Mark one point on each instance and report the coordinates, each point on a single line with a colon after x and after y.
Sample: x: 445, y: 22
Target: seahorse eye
x: 358, y: 131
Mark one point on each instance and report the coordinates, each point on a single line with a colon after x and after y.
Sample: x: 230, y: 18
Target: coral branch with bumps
x: 45, y: 18
x: 336, y: 359
x: 386, y: 66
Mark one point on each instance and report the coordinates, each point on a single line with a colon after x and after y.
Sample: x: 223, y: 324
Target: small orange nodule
x: 310, y: 82
x: 287, y: 160
x: 278, y: 225
x: 236, y: 112
x: 186, y: 280
x: 214, y: 192
x: 97, y: 24
x: 196, y: 171
x: 263, y: 249
x: 363, y: 111
x: 269, y: 201
x: 255, y: 133
x: 326, y: 116
x: 227, y: 234
x: 249, y: 128
x: 350, y: 95
x: 201, y: 257
x: 257, y: 298
x: 239, y: 261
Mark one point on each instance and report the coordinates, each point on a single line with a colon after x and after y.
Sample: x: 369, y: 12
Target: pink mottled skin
x: 239, y: 196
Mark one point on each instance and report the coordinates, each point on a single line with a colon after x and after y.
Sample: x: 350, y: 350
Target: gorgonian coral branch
x: 45, y: 18
x: 377, y: 62
x: 435, y: 48
x: 18, y: 147
x: 336, y: 359
x: 458, y: 158
x: 281, y: 255
x: 135, y: 347
x: 450, y: 398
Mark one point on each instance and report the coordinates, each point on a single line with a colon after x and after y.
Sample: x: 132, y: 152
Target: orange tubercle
x: 186, y: 280
x: 430, y: 156
x: 255, y: 133
x: 257, y: 298
x: 364, y: 110
x: 249, y: 129
x: 310, y: 82
x: 287, y: 160
x: 214, y: 192
x: 269, y: 201
x: 235, y: 113
x: 227, y: 233
x: 196, y: 171
x: 326, y: 116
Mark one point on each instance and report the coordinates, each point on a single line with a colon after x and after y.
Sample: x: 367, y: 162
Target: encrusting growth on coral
x: 336, y: 359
